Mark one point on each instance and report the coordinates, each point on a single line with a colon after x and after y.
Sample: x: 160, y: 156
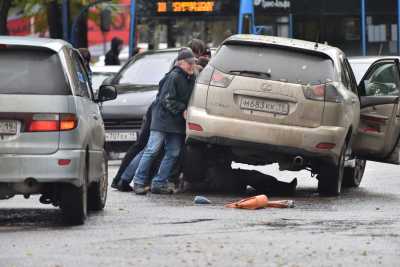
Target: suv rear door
x: 33, y: 92
x: 379, y: 129
x: 267, y: 84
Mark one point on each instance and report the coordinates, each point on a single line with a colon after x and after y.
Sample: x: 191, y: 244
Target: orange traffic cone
x: 259, y: 202
x: 251, y: 203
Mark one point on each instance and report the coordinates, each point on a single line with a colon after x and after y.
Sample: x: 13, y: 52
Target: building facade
x: 174, y: 22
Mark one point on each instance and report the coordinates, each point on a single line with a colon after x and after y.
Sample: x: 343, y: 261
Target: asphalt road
x: 359, y: 228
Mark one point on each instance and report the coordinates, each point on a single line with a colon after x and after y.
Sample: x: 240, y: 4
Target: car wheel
x: 194, y: 163
x: 331, y: 176
x: 97, y: 192
x: 353, y: 175
x: 74, y: 202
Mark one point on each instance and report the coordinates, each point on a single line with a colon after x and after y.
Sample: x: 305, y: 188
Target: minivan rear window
x: 274, y: 63
x: 32, y: 71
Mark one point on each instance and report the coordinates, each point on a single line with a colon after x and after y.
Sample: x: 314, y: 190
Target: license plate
x: 8, y: 127
x: 121, y: 136
x: 264, y: 105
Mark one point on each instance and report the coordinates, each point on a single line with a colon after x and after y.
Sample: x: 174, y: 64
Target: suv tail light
x: 52, y: 122
x: 322, y: 92
x: 205, y: 75
x: 221, y: 79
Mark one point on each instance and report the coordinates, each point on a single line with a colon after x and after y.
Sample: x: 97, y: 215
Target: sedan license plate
x: 264, y: 105
x: 121, y: 136
x: 8, y: 127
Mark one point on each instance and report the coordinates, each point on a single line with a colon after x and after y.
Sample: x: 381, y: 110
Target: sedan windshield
x: 148, y: 69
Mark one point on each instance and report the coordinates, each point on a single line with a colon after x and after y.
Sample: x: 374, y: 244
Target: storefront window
x: 173, y: 23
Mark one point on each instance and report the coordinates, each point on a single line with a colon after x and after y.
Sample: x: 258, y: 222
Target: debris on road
x: 259, y: 202
x: 201, y: 200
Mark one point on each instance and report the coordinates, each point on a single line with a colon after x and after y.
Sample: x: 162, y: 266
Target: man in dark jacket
x: 112, y: 56
x: 167, y: 129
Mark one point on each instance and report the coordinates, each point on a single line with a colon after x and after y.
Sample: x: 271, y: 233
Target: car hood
x: 129, y: 104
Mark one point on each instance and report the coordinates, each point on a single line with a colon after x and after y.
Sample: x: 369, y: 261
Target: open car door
x: 379, y: 128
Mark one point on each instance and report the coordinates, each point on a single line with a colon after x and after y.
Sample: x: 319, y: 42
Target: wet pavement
x: 359, y: 228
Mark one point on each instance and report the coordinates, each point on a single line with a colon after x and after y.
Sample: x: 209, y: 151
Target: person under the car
x: 167, y: 129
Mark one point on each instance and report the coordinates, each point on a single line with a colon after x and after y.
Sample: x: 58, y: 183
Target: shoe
x: 293, y: 185
x: 114, y: 183
x: 140, y: 189
x: 162, y: 190
x: 124, y: 186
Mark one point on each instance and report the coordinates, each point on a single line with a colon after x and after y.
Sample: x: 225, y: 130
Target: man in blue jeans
x: 167, y: 129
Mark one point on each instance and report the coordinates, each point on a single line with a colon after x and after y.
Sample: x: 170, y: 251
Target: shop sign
x: 172, y: 8
x: 186, y: 6
x: 273, y: 4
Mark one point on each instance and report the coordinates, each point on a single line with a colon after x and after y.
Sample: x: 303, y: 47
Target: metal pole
x: 398, y: 27
x: 65, y: 19
x: 363, y: 29
x: 291, y: 25
x: 132, y: 28
x: 246, y: 8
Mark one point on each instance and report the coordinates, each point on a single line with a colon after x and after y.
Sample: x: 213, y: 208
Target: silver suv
x: 265, y: 100
x: 51, y: 130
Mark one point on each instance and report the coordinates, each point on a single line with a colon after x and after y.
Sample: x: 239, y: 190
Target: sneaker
x: 162, y: 190
x: 140, y: 189
x: 114, y: 183
x: 124, y: 186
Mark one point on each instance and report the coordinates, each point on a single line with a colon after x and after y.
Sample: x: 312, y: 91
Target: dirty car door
x: 379, y: 129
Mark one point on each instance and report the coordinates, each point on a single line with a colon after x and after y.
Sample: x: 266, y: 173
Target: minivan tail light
x: 322, y: 92
x: 43, y: 126
x: 220, y: 79
x: 50, y: 122
x: 68, y: 122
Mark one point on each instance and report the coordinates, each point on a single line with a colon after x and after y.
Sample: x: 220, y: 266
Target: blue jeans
x: 172, y: 143
x: 129, y: 172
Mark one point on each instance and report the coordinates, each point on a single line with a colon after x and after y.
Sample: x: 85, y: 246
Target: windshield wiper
x: 251, y: 73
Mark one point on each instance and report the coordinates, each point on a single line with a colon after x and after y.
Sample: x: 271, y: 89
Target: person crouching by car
x: 167, y: 129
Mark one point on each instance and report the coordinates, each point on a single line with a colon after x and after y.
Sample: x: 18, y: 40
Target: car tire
x: 330, y: 177
x: 74, y: 202
x: 194, y: 163
x: 353, y: 175
x: 97, y: 192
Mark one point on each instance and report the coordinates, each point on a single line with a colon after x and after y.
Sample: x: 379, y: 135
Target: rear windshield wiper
x: 251, y: 73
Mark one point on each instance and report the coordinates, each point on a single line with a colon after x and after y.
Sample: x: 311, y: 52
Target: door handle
x: 95, y: 117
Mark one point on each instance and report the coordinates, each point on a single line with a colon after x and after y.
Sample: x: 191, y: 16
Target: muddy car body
x: 265, y: 100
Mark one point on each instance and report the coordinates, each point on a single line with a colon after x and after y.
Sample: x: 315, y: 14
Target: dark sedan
x: 137, y: 85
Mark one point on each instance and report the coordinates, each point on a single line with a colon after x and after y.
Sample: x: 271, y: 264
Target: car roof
x: 52, y: 44
x: 285, y: 42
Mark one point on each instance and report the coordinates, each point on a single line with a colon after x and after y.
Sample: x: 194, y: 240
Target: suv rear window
x: 31, y: 71
x: 274, y: 63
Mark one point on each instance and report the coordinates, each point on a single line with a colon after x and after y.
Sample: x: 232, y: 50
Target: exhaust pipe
x: 298, y: 161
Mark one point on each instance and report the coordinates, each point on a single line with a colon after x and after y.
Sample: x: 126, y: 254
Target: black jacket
x: 112, y: 56
x: 172, y: 100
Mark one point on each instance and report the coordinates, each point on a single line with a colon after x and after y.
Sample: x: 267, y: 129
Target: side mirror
x: 108, y: 80
x: 369, y: 101
x: 106, y: 93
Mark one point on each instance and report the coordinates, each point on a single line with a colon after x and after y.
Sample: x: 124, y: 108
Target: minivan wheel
x: 331, y: 176
x: 97, y: 192
x: 353, y: 175
x: 194, y: 163
x: 74, y: 202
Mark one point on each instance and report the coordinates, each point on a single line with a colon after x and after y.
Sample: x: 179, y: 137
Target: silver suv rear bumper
x: 288, y: 137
